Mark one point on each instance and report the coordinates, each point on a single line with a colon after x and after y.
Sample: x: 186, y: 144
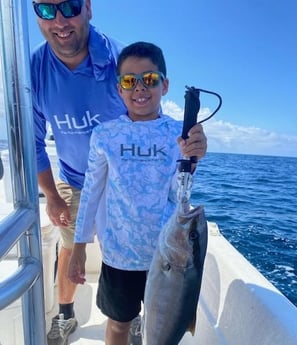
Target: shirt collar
x: 99, y: 53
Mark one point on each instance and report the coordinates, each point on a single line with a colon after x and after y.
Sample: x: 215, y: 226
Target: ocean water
x: 253, y: 200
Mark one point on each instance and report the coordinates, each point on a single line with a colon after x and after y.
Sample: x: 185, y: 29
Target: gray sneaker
x: 60, y: 330
x: 135, y: 336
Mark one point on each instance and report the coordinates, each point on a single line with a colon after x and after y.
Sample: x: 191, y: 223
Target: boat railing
x: 1, y: 168
x: 22, y: 225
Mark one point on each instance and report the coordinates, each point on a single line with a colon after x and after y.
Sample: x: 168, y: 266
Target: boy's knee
x: 119, y: 327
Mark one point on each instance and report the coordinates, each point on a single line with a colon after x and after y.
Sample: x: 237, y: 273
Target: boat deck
x: 237, y: 304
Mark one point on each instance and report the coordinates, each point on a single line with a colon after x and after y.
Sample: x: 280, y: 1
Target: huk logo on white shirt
x: 136, y: 151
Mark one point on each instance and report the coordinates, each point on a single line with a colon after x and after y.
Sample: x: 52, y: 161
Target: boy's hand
x: 76, y: 268
x: 195, y: 145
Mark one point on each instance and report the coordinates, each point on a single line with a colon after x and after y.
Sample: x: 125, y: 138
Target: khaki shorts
x: 71, y: 196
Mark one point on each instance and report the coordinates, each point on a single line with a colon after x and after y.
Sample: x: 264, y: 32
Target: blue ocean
x: 253, y: 200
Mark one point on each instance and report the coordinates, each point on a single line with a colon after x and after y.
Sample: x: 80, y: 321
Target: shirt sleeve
x: 92, y: 195
x: 43, y: 162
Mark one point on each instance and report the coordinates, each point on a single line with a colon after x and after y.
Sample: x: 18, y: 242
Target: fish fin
x: 192, y: 326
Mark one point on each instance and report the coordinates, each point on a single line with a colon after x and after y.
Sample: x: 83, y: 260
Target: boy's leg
x: 117, y: 332
x: 119, y: 296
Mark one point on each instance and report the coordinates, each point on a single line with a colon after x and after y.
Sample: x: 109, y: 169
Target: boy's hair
x: 143, y: 50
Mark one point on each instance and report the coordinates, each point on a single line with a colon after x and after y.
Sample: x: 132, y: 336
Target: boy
x: 132, y: 177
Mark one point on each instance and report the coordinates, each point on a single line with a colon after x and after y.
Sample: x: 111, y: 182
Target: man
x: 74, y: 88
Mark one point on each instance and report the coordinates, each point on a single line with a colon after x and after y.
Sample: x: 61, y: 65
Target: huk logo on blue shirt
x: 70, y: 122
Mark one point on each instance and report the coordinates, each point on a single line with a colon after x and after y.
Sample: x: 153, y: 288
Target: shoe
x: 135, y: 335
x: 60, y: 330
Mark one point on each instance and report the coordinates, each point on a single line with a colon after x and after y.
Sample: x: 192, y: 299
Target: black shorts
x: 120, y: 293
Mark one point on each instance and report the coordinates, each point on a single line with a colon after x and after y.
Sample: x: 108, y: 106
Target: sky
x: 244, y: 50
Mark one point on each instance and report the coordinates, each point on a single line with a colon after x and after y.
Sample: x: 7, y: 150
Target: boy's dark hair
x: 143, y: 50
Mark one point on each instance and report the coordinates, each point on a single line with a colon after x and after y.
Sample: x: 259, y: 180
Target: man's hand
x: 58, y: 211
x: 56, y: 208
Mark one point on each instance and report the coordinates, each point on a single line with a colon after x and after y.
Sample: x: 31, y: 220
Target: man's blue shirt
x: 74, y: 102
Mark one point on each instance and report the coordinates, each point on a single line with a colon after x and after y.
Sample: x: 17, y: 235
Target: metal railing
x: 22, y: 226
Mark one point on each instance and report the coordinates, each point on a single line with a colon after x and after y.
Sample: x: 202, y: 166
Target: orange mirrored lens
x: 148, y: 79
x: 128, y: 81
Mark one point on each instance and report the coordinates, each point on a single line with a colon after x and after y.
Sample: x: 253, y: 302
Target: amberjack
x: 174, y: 279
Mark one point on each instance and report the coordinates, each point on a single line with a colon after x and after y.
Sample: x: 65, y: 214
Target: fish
x: 174, y: 279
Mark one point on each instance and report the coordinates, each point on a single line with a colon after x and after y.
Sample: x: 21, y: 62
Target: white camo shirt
x: 130, y: 188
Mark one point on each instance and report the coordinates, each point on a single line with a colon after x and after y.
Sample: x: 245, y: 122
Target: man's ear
x: 89, y: 8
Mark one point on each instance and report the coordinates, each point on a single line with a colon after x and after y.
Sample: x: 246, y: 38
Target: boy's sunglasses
x: 148, y: 79
x: 48, y: 11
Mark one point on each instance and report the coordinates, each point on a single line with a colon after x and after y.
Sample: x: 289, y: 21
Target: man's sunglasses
x: 48, y: 11
x: 148, y: 79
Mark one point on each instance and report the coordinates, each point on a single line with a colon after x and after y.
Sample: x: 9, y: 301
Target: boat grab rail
x: 29, y: 267
x: 19, y: 220
x: 22, y: 226
x: 18, y: 283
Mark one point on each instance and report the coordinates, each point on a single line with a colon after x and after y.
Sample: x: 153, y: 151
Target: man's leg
x: 66, y: 288
x: 65, y: 322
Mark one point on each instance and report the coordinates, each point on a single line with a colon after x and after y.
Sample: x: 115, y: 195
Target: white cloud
x: 230, y: 138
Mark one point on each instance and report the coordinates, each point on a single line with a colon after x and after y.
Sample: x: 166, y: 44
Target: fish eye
x: 193, y: 235
x: 166, y: 266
